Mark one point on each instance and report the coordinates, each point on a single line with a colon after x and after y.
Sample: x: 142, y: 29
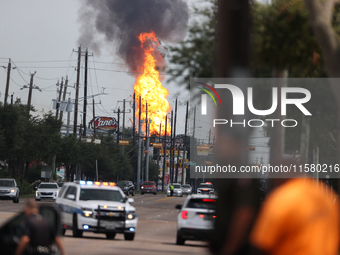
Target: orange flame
x: 149, y: 87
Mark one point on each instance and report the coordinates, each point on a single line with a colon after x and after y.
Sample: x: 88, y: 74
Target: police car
x: 195, y: 220
x: 205, y: 188
x: 98, y: 207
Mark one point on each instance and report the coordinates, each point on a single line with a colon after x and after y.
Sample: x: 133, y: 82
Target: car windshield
x: 48, y: 186
x: 148, y: 183
x: 202, y: 203
x: 177, y: 186
x: 185, y: 186
x: 122, y: 184
x: 60, y: 184
x: 206, y: 185
x: 7, y: 183
x: 101, y: 194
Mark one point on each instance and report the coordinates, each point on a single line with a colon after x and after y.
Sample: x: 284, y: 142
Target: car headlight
x: 56, y: 193
x: 12, y: 190
x: 87, y: 212
x: 142, y: 187
x: 37, y: 193
x: 131, y: 216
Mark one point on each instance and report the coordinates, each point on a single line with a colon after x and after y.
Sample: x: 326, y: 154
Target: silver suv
x: 47, y: 190
x: 9, y: 190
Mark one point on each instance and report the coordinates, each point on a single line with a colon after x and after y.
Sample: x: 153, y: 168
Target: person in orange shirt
x: 298, y: 217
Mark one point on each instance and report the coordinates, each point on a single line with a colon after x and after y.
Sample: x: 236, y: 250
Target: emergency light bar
x: 90, y: 183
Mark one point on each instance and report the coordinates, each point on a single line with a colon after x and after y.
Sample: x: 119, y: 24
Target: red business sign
x: 104, y: 123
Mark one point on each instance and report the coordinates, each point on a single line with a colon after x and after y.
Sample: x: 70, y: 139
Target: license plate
x: 110, y: 227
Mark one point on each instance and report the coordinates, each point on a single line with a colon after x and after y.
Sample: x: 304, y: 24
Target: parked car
x: 205, y: 188
x: 195, y: 220
x: 177, y: 190
x: 127, y: 187
x: 98, y: 207
x: 47, y: 190
x: 9, y: 190
x: 186, y: 189
x: 148, y: 187
x: 13, y: 229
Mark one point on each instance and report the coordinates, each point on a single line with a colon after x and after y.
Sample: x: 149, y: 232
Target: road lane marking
x: 163, y: 199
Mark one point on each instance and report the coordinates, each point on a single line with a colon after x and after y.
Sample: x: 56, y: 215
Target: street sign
x: 123, y: 142
x: 157, y: 145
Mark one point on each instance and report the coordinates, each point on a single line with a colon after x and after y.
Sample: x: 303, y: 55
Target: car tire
x: 37, y: 199
x: 180, y: 240
x: 75, y: 231
x: 155, y: 193
x: 133, y: 193
x: 63, y: 231
x: 129, y: 236
x: 110, y: 235
x: 16, y: 200
x: 127, y: 193
x: 142, y: 193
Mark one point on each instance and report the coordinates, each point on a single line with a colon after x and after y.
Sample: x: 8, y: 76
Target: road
x: 156, y: 232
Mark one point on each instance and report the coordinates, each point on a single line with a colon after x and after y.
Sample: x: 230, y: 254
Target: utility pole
x: 134, y: 119
x: 146, y: 139
x: 174, y: 141
x: 193, y: 132
x: 77, y: 94
x: 184, y: 170
x: 124, y: 111
x: 164, y: 156
x: 147, y: 152
x: 123, y: 115
x: 118, y: 126
x: 30, y: 92
x: 9, y: 67
x: 159, y: 139
x: 59, y: 98
x: 64, y: 96
x: 94, y: 122
x: 139, y: 144
x: 171, y: 147
x: 85, y: 95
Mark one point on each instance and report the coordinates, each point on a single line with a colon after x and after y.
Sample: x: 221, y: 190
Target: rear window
x: 202, y: 203
x: 177, y: 186
x: 122, y: 184
x: 206, y: 185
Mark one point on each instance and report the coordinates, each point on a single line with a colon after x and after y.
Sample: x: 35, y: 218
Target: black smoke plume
x: 118, y: 22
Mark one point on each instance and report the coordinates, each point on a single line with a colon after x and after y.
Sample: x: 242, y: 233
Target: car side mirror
x: 131, y: 200
x: 71, y: 197
x: 179, y: 207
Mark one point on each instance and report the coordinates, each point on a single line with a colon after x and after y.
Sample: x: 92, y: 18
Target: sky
x: 42, y: 36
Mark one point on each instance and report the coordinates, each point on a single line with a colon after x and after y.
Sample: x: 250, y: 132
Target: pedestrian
x: 171, y: 190
x: 38, y: 234
x: 298, y: 217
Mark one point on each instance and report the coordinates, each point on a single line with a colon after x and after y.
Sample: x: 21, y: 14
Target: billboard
x: 103, y: 123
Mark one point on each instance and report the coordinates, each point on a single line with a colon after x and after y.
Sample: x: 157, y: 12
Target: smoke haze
x: 118, y: 22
